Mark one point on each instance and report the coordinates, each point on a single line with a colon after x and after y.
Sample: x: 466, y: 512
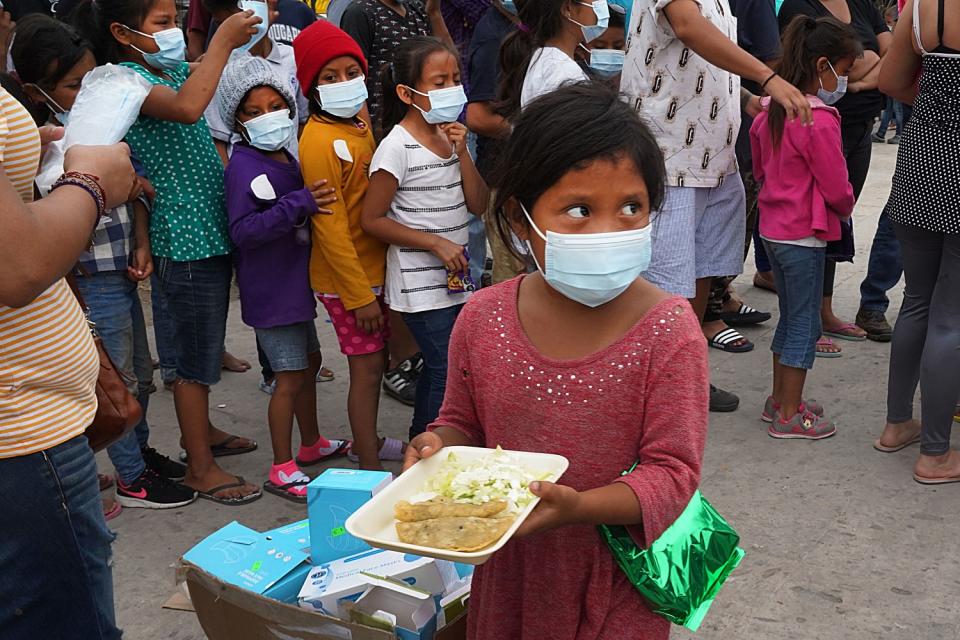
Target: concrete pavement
x: 841, y: 543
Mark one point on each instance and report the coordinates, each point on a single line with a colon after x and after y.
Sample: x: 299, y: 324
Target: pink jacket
x: 805, y: 190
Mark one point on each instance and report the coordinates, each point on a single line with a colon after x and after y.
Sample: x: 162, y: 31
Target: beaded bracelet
x: 89, y: 183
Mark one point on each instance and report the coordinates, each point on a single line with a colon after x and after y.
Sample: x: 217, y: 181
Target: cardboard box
x: 251, y: 560
x: 395, y: 606
x: 228, y: 612
x: 348, y: 578
x: 332, y: 497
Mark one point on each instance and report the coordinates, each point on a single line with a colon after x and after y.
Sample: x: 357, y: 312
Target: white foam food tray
x: 374, y: 522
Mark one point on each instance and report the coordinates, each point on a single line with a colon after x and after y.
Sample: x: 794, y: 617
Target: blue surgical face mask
x: 606, y: 62
x: 833, y: 97
x: 260, y: 10
x: 271, y: 131
x: 509, y: 6
x: 445, y: 104
x: 62, y: 115
x: 593, y: 268
x: 173, y: 49
x: 343, y: 99
x: 593, y: 31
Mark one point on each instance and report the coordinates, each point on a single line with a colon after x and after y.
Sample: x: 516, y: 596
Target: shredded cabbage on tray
x: 499, y: 476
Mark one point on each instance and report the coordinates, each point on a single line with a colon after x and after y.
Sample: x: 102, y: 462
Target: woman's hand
x: 423, y: 446
x: 457, y: 135
x: 369, y: 317
x: 558, y: 507
x: 791, y: 99
x: 111, y: 164
x: 451, y: 255
x: 323, y: 196
x: 236, y: 30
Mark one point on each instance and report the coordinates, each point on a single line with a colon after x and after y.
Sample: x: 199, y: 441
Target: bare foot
x: 234, y: 364
x: 215, y: 477
x: 939, y: 468
x: 898, y: 435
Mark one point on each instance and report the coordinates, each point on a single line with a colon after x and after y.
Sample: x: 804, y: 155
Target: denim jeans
x: 56, y: 580
x: 477, y: 248
x: 432, y: 330
x: 163, y: 332
x: 197, y: 294
x: 892, y: 112
x: 798, y: 272
x: 884, y: 269
x: 116, y: 311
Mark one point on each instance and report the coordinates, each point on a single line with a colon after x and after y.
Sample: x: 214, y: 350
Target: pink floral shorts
x: 353, y: 340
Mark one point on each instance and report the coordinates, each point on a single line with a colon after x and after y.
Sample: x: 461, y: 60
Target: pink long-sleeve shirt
x: 646, y: 396
x: 805, y: 189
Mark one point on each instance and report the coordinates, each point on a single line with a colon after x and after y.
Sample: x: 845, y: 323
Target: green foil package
x: 683, y: 570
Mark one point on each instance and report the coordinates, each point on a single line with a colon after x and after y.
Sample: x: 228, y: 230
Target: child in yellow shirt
x: 346, y: 265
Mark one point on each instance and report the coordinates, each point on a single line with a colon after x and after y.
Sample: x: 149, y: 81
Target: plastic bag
x: 683, y: 570
x: 108, y: 104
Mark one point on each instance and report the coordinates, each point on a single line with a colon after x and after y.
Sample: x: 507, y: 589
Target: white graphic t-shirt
x: 692, y: 107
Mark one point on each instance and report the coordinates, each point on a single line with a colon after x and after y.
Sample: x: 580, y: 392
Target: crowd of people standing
x: 521, y: 217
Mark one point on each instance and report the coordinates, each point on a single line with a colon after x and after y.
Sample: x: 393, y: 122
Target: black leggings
x: 857, y: 148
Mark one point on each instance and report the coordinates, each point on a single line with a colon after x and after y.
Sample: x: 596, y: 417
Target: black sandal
x: 745, y: 315
x: 210, y: 494
x: 282, y: 490
x: 223, y: 449
x: 725, y: 341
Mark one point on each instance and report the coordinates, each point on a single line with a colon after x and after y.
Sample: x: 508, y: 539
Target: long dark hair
x: 566, y: 130
x: 406, y: 69
x: 45, y: 50
x: 93, y: 21
x: 542, y: 21
x: 805, y: 41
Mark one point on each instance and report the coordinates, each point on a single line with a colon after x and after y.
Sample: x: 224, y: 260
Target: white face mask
x: 260, y: 10
x: 593, y: 268
x: 593, y: 31
x: 445, y: 104
x: 271, y: 131
x: 833, y: 97
x: 343, y: 99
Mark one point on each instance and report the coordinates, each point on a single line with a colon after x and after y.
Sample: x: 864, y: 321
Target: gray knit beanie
x: 243, y: 73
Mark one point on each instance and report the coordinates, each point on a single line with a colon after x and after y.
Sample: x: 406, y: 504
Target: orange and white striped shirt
x: 48, y: 363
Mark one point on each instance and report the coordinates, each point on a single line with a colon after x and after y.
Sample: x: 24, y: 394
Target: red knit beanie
x: 317, y: 45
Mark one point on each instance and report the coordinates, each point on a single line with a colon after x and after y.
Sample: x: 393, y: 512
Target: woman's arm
x: 437, y: 26
x: 39, y: 243
x: 898, y: 75
x: 188, y: 104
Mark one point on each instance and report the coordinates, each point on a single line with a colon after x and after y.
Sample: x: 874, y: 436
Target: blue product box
x: 251, y: 560
x: 332, y: 497
x: 295, y: 533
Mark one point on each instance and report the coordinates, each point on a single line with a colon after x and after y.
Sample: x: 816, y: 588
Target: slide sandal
x: 744, y: 316
x: 726, y: 339
x: 886, y: 449
x: 283, y: 490
x: 827, y: 342
x: 210, y: 494
x: 848, y: 331
x: 935, y: 481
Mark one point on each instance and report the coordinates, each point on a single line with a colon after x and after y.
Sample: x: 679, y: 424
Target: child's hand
x: 423, y: 446
x: 451, y: 254
x: 558, y: 507
x: 236, y: 30
x: 457, y: 135
x: 323, y: 196
x: 141, y: 264
x: 369, y: 317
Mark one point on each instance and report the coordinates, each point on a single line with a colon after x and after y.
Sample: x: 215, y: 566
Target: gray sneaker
x: 804, y: 425
x: 771, y: 408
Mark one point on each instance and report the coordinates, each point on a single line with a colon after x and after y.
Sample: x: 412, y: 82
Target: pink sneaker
x: 771, y: 408
x: 804, y: 425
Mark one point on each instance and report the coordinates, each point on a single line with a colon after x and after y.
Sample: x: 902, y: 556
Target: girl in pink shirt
x: 804, y: 193
x: 582, y: 358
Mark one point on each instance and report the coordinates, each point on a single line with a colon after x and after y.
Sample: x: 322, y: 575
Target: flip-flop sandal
x: 745, y: 315
x: 342, y: 449
x: 391, y: 449
x: 886, y: 449
x: 113, y: 512
x: 283, y: 490
x: 105, y: 481
x: 827, y: 342
x: 210, y: 494
x: 325, y: 375
x: 848, y: 331
x: 936, y: 481
x: 726, y: 339
x: 222, y: 449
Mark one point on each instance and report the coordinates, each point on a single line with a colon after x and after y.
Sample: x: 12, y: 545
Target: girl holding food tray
x: 583, y: 358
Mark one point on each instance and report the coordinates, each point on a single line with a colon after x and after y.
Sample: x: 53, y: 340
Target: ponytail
x: 406, y: 69
x: 805, y: 41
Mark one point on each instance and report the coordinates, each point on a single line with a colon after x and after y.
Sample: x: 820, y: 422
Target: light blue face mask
x: 593, y: 31
x: 271, y: 131
x: 509, y: 6
x: 606, y: 62
x: 833, y: 97
x: 173, y: 48
x: 260, y: 10
x: 62, y: 115
x: 445, y: 104
x: 593, y: 268
x: 343, y: 99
